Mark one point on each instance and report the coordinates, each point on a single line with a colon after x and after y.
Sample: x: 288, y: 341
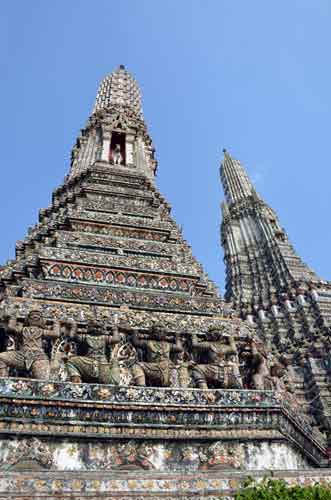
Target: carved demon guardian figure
x: 260, y: 373
x: 30, y: 355
x: 94, y: 365
x: 156, y: 358
x: 181, y: 370
x: 219, y: 369
x: 156, y: 369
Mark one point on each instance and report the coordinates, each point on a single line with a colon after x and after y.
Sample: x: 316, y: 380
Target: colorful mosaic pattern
x: 91, y: 485
x: 103, y: 410
x: 161, y: 396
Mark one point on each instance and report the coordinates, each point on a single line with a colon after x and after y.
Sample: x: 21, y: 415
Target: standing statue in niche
x: 117, y: 155
x: 31, y: 355
x: 93, y: 366
x: 219, y: 368
x: 156, y: 370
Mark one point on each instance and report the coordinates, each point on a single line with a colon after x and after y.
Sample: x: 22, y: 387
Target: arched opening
x: 117, y: 151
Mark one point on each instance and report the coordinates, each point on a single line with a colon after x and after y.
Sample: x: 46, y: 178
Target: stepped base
x: 129, y: 485
x: 64, y: 440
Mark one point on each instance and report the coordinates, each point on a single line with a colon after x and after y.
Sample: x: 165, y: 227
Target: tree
x: 271, y: 489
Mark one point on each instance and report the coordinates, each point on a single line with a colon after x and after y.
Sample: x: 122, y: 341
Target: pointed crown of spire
x: 235, y: 181
x: 119, y: 88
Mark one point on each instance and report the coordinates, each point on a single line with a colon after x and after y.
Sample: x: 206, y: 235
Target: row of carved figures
x: 97, y: 352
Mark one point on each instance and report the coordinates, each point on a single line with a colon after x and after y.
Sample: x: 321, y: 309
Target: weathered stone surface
x: 166, y: 456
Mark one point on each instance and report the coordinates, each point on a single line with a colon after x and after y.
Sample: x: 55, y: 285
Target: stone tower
x: 108, y: 238
x: 123, y: 372
x: 270, y: 286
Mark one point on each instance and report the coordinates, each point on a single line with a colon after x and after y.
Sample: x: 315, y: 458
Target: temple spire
x: 234, y: 178
x: 119, y: 88
x: 260, y: 260
x: 116, y: 134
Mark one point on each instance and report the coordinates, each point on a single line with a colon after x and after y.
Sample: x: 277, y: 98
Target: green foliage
x: 271, y: 489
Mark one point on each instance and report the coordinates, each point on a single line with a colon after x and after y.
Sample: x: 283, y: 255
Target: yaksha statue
x: 117, y: 155
x: 219, y: 368
x: 31, y: 355
x: 93, y: 366
x: 156, y: 369
x: 268, y: 374
x: 261, y: 376
x: 180, y: 370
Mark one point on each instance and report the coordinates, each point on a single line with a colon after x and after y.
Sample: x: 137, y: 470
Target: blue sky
x: 252, y: 76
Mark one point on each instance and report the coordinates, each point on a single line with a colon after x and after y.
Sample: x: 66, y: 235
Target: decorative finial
x: 224, y: 150
x: 119, y: 88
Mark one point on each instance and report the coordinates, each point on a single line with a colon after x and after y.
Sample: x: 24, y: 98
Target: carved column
x: 106, y: 146
x: 129, y: 149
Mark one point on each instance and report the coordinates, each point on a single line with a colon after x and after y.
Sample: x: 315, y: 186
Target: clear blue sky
x: 252, y: 76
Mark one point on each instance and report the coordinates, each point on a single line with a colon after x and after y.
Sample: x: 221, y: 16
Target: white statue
x: 117, y: 155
